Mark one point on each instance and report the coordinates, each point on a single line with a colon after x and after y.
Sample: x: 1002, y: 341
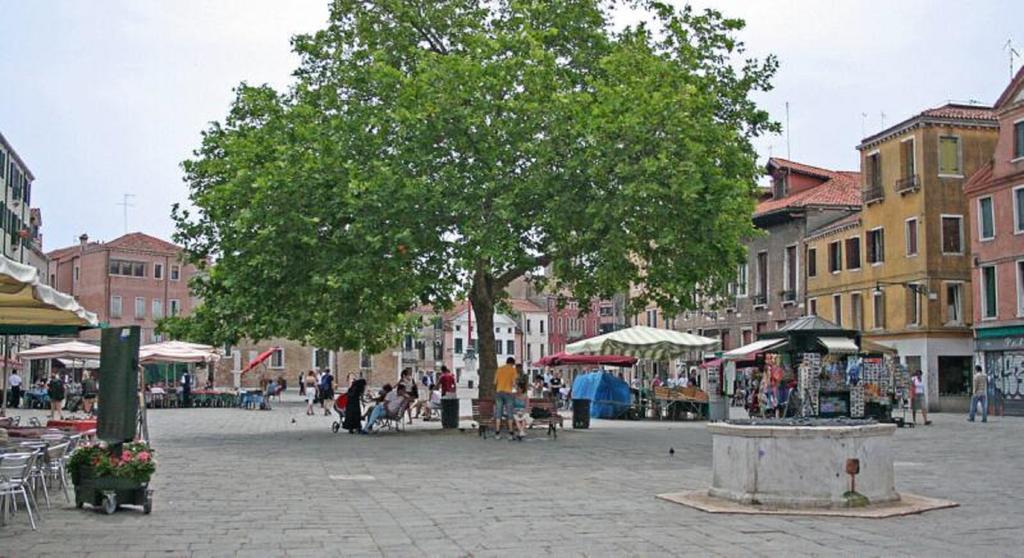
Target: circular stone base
x: 907, y: 504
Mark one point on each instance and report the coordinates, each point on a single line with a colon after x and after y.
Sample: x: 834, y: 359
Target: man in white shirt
x: 391, y: 405
x: 15, y: 383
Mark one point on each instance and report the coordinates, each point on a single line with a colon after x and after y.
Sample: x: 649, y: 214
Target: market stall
x: 812, y: 367
x: 657, y: 345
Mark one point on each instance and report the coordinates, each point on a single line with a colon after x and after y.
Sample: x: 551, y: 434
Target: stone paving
x: 279, y: 483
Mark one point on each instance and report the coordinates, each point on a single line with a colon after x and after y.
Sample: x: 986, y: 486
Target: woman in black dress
x: 353, y: 408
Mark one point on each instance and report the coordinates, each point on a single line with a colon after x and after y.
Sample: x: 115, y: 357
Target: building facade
x: 995, y: 196
x: 900, y: 270
x: 461, y: 342
x: 20, y: 239
x: 135, y: 279
x: 770, y: 287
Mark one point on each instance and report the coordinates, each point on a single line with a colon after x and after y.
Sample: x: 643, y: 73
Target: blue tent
x: 608, y: 394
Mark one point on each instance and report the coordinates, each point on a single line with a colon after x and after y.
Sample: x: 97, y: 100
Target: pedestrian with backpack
x: 55, y: 390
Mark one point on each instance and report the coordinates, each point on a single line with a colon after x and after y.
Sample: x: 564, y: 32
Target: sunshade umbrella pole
x: 7, y: 352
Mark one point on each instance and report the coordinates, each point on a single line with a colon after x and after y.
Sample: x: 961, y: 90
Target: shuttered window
x: 949, y: 156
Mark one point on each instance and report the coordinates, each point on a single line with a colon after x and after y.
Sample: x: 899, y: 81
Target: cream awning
x: 839, y: 345
x: 177, y: 351
x: 749, y: 350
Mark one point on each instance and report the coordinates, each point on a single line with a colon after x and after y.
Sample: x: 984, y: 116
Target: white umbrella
x: 75, y: 350
x: 177, y: 351
x: 643, y: 342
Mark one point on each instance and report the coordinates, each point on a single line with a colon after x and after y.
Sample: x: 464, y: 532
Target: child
x: 521, y: 410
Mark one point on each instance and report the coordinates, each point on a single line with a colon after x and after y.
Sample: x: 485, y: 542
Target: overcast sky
x: 103, y: 98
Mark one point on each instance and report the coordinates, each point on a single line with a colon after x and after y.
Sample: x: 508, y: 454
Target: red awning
x: 561, y: 359
x: 259, y: 359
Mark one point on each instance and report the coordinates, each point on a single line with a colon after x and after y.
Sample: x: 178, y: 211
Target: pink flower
x: 126, y: 455
x: 143, y: 456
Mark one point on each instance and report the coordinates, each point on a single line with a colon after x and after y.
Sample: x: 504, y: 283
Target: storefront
x: 1001, y: 352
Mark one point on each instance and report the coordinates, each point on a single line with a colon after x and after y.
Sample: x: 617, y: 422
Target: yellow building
x: 900, y: 269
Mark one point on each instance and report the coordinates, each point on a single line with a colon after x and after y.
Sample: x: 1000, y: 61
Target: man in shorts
x: 504, y: 396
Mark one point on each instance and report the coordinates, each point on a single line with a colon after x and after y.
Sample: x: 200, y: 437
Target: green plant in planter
x: 135, y: 462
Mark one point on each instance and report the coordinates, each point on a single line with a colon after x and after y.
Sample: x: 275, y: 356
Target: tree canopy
x: 430, y: 150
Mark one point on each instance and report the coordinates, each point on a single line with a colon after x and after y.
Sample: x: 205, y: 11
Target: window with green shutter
x: 1018, y: 140
x: 986, y: 225
x: 949, y: 156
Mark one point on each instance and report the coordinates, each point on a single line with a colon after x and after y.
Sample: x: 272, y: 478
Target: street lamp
x: 917, y: 288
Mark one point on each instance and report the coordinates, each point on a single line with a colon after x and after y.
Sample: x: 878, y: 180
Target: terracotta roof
x: 522, y: 305
x: 949, y: 111
x: 963, y: 112
x: 799, y: 167
x: 842, y: 190
x: 1008, y: 93
x: 980, y: 179
x: 142, y: 241
x: 62, y: 253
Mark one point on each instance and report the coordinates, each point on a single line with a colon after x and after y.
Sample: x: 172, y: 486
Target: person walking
x: 353, y: 407
x: 302, y: 386
x: 917, y: 402
x: 55, y: 391
x: 447, y: 383
x: 89, y: 391
x: 186, y: 389
x: 310, y: 385
x: 979, y: 394
x: 504, y: 396
x: 15, y: 382
x: 326, y: 391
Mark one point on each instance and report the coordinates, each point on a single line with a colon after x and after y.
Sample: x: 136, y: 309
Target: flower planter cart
x: 110, y: 493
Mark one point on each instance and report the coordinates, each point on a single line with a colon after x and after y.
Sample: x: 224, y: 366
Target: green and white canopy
x: 643, y: 342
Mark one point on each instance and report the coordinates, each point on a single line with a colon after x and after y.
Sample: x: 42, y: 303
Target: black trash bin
x: 449, y: 413
x: 581, y: 413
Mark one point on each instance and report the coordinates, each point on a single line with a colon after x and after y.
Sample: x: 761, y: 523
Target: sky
x: 104, y: 98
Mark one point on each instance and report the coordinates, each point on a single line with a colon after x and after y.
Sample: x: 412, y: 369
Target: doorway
x: 954, y: 375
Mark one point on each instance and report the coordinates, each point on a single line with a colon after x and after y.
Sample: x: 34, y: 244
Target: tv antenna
x: 1011, y: 52
x: 125, y: 204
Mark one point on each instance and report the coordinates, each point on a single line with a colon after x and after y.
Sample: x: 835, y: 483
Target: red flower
x: 143, y: 456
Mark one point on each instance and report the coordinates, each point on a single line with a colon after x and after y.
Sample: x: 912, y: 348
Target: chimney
x: 83, y: 240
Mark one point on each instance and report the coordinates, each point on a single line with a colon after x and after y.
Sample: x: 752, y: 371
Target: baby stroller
x: 340, y: 403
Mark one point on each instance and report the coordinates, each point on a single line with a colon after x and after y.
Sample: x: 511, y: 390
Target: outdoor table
x: 77, y: 426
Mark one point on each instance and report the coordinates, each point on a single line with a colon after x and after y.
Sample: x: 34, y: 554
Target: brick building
x: 995, y: 202
x: 135, y: 279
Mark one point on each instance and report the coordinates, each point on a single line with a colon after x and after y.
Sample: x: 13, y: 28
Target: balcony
x: 788, y: 297
x: 907, y: 184
x: 873, y: 193
x: 759, y: 300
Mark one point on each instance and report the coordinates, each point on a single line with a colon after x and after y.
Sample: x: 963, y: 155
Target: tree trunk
x: 481, y: 296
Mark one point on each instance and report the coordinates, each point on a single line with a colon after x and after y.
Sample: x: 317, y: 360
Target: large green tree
x: 435, y: 149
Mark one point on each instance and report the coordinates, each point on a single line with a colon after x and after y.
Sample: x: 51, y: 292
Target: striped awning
x: 643, y: 342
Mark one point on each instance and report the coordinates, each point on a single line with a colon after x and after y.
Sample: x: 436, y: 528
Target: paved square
x: 237, y: 483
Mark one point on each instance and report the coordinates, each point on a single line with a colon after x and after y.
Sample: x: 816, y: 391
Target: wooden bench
x: 483, y: 415
x: 551, y: 421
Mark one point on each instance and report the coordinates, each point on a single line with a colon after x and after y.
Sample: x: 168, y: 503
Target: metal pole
x: 3, y: 408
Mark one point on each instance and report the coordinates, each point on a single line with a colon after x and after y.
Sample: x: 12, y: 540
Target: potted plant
x: 108, y: 475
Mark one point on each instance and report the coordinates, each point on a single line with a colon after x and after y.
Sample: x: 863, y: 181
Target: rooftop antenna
x: 1012, y: 52
x: 788, y: 154
x: 863, y: 124
x: 883, y: 119
x: 125, y: 204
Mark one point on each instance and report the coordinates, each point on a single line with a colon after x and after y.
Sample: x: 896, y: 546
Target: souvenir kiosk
x: 812, y: 367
